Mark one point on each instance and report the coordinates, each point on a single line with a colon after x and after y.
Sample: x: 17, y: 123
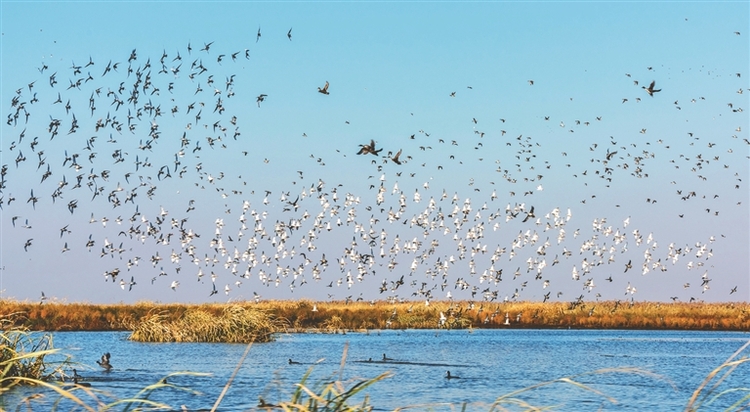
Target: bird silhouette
x: 650, y: 89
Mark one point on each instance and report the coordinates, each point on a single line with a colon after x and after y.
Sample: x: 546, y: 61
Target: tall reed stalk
x: 22, y: 354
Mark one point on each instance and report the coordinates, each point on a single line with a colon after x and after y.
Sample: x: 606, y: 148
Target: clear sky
x: 534, y: 162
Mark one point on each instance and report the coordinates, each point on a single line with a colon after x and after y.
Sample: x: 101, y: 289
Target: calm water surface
x: 490, y: 363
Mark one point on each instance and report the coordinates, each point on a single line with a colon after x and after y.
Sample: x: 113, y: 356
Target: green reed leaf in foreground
x: 231, y: 378
x: 327, y: 396
x: 511, y: 398
x: 142, y: 397
x: 63, y: 392
x: 702, y: 396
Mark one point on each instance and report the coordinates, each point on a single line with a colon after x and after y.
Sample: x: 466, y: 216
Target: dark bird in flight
x: 324, y: 89
x: 261, y: 98
x: 289, y: 34
x: 650, y: 89
x: 104, y: 362
x: 206, y: 46
x: 395, y: 159
x: 365, y: 149
x: 258, y: 37
x: 530, y: 214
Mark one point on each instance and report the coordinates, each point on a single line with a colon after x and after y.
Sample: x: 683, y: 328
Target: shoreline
x: 307, y: 316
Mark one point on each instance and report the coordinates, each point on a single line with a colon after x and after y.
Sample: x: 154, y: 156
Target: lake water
x: 490, y: 363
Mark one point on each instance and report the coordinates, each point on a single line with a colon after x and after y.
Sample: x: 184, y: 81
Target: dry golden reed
x: 235, y: 324
x: 22, y: 355
x: 305, y: 315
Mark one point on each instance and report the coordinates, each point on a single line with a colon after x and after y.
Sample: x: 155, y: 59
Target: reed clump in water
x: 235, y: 324
x: 22, y: 355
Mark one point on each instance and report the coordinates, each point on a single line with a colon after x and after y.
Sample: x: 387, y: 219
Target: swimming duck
x: 77, y: 378
x: 449, y: 376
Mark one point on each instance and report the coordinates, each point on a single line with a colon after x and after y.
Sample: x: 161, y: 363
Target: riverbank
x: 307, y: 315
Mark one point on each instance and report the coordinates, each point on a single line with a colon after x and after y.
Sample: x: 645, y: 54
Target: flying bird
x: 650, y: 89
x: 395, y: 159
x: 323, y: 90
x: 365, y: 149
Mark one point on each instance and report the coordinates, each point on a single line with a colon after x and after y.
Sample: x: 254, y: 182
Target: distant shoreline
x: 307, y: 316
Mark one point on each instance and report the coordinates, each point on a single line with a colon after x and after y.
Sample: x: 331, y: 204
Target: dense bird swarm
x: 122, y: 161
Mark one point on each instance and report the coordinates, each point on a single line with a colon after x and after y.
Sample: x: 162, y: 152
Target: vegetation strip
x: 307, y: 315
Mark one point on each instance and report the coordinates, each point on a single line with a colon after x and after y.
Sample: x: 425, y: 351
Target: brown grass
x: 235, y: 324
x: 340, y: 316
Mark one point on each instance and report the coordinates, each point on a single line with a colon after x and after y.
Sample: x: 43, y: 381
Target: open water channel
x: 490, y: 363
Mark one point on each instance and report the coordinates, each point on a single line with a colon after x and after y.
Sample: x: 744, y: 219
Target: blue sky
x: 456, y: 76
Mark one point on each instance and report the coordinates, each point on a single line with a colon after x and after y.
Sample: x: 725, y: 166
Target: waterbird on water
x: 104, y: 362
x: 449, y: 376
x: 77, y: 378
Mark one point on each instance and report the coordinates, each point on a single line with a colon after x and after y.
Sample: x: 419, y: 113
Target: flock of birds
x: 105, y: 145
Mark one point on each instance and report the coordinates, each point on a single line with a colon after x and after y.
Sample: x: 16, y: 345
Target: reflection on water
x: 490, y: 363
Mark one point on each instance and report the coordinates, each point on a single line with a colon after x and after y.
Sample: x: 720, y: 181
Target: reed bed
x: 22, y: 354
x: 235, y: 324
x: 338, y: 316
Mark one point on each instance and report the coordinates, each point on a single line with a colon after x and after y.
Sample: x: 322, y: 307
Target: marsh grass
x: 94, y: 400
x: 338, y: 316
x: 235, y: 324
x: 23, y: 362
x: 22, y: 354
